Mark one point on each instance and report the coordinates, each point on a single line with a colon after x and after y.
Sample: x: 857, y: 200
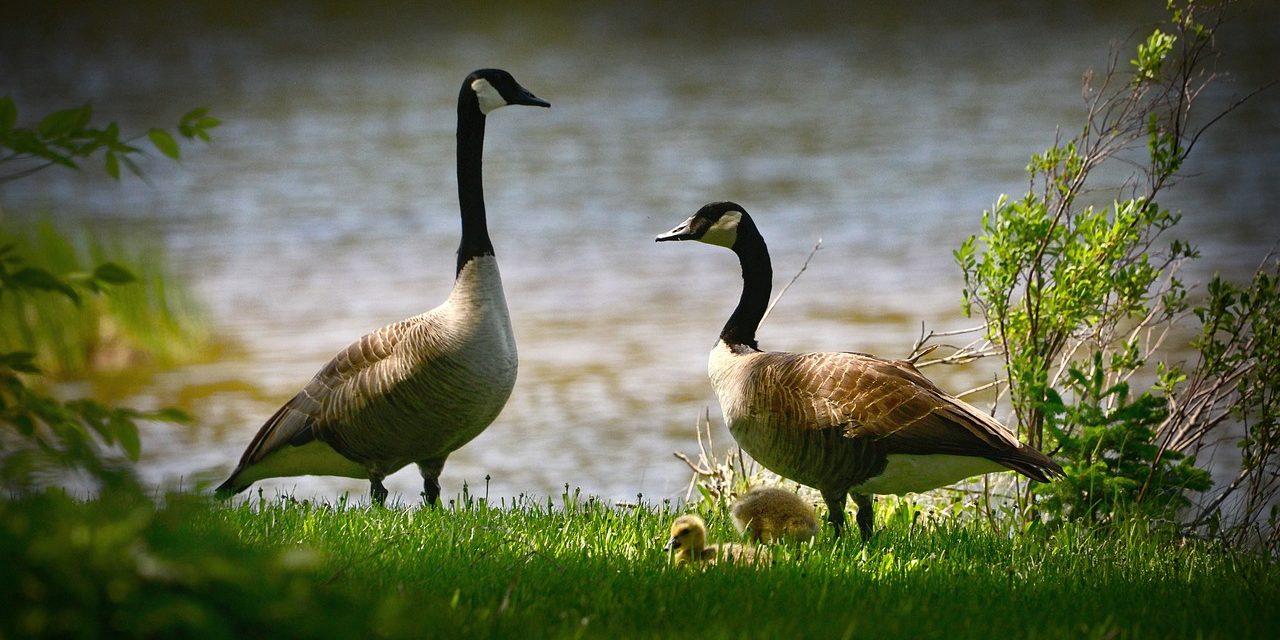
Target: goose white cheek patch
x: 725, y: 231
x: 489, y: 97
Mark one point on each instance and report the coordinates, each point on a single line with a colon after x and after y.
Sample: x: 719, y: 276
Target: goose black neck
x: 475, y: 229
x: 757, y: 282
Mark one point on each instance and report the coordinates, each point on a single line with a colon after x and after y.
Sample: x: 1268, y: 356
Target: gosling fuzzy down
x: 774, y: 514
x: 688, y: 545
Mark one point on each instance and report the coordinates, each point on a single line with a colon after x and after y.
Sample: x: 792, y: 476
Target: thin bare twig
x: 994, y: 383
x: 916, y: 355
x: 816, y: 246
x: 975, y: 350
x: 695, y: 467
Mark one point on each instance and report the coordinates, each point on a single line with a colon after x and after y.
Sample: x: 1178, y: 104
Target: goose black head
x: 496, y: 88
x: 717, y: 223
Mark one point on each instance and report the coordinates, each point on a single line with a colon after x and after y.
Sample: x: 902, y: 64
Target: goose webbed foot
x: 431, y: 491
x: 377, y: 492
x: 866, y: 514
x: 431, y: 481
x: 835, y: 510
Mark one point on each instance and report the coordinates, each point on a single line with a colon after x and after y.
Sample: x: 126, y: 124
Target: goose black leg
x: 431, y: 491
x: 866, y: 514
x: 431, y: 480
x: 835, y: 509
x: 377, y: 492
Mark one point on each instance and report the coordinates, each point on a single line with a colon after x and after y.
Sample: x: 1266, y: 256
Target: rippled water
x: 326, y: 206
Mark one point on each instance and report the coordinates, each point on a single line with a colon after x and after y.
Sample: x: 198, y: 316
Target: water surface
x: 326, y: 206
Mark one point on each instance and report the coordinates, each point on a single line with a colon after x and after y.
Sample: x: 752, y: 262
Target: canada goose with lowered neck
x: 842, y: 423
x: 416, y: 390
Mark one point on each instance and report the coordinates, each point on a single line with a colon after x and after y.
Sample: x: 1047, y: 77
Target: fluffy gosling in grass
x: 774, y: 514
x: 688, y: 545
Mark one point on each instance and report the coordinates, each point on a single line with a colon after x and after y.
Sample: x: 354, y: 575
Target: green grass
x: 526, y: 570
x: 154, y: 320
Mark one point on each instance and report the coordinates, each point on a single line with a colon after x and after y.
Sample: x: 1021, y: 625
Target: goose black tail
x: 1033, y: 464
x: 230, y: 487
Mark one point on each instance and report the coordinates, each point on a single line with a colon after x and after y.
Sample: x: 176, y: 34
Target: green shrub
x: 119, y: 566
x: 1080, y: 298
x: 1111, y: 443
x: 42, y: 293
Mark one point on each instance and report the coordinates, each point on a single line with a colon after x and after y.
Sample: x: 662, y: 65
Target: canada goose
x: 688, y: 545
x: 770, y: 514
x: 840, y: 422
x: 418, y: 389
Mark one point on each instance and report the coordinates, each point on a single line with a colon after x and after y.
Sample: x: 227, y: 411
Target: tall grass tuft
x: 582, y: 567
x: 154, y: 320
x: 585, y: 567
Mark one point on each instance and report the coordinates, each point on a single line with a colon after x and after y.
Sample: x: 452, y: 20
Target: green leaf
x: 1053, y: 401
x: 164, y: 142
x: 61, y: 124
x: 26, y: 426
x: 194, y: 114
x: 23, y: 361
x: 112, y: 164
x: 171, y: 414
x: 37, y: 278
x: 126, y: 433
x: 196, y: 123
x: 8, y: 114
x: 113, y: 273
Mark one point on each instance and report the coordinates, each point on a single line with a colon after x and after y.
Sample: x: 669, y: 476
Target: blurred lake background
x: 326, y: 205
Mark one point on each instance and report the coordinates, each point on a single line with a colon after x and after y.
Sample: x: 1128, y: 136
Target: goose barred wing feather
x: 887, y: 401
x: 355, y: 373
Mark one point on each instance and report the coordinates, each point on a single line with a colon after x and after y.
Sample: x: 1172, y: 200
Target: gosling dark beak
x: 672, y: 545
x: 526, y: 97
x: 682, y: 232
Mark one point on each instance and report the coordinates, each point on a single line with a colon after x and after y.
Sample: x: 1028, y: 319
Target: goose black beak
x: 683, y: 232
x: 527, y: 98
x: 672, y: 545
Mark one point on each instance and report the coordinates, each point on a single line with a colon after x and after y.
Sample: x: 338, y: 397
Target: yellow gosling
x: 688, y: 545
x: 772, y: 514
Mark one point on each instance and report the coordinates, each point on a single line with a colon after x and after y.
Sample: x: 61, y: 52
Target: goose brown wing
x: 354, y: 375
x: 866, y: 397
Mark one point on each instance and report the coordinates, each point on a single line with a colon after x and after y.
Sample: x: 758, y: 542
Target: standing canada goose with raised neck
x: 416, y: 390
x: 842, y: 423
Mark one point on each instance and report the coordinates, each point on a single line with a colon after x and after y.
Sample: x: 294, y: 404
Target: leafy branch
x: 41, y: 430
x: 53, y: 432
x: 1236, y: 382
x: 1078, y: 297
x: 67, y: 137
